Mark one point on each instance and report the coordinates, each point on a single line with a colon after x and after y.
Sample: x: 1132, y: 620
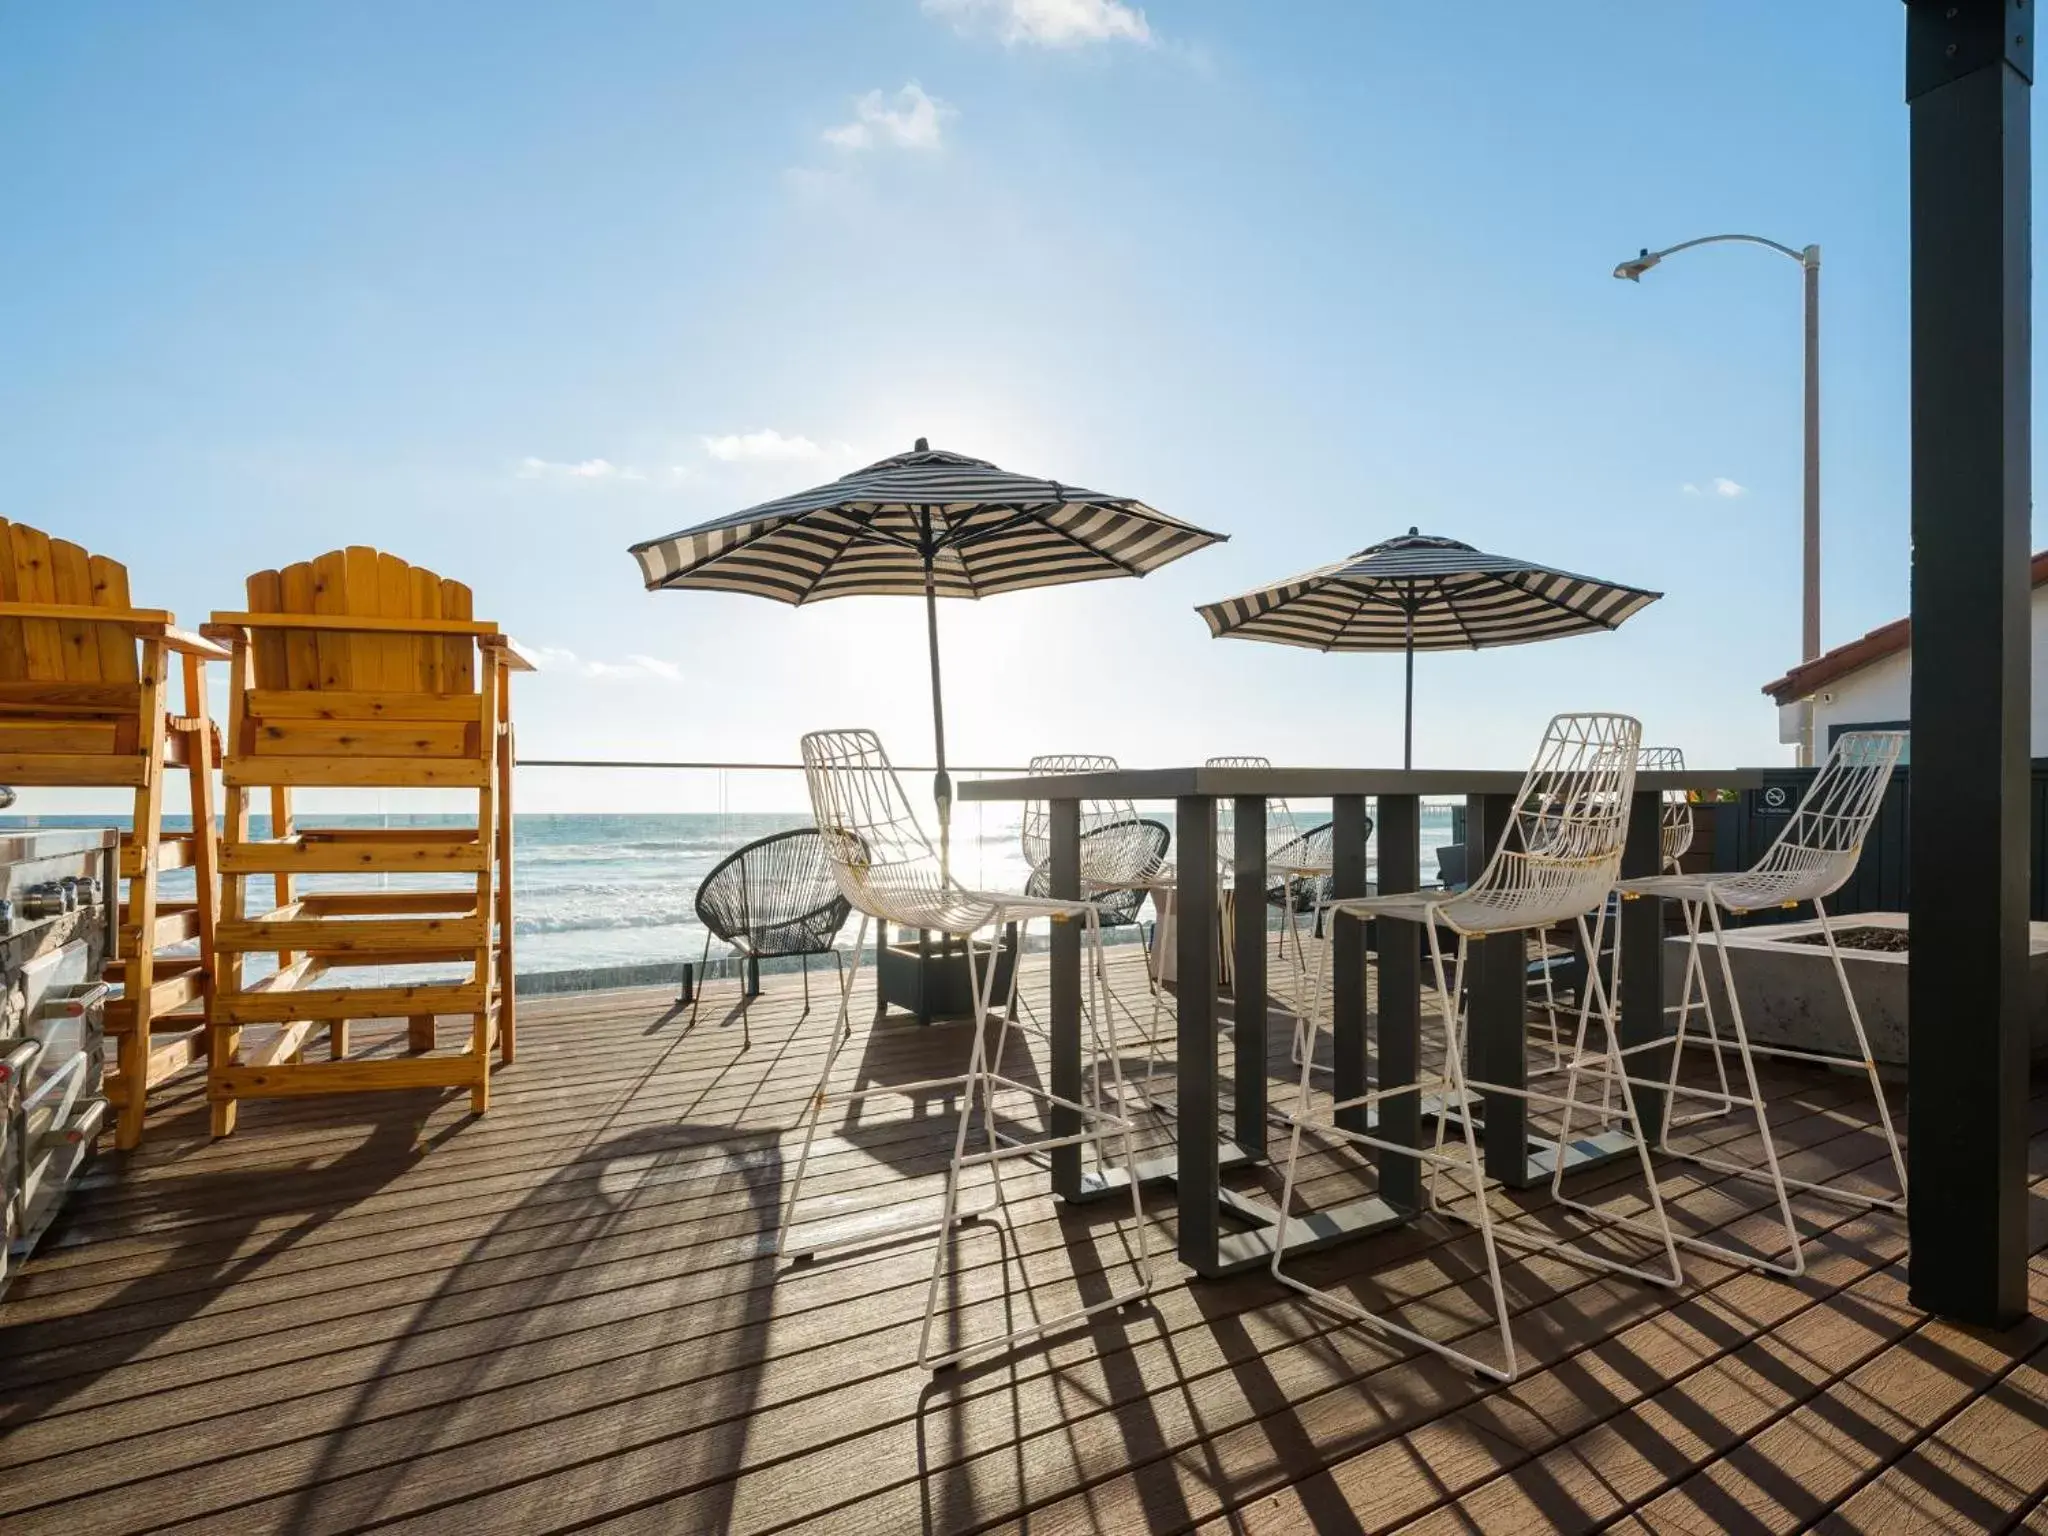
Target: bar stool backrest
x: 1282, y: 832
x: 1562, y: 849
x: 1823, y: 839
x: 883, y: 862
x: 1137, y: 847
x: 1036, y: 834
x: 1674, y: 817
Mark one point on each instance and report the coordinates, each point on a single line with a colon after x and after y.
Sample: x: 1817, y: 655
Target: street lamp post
x: 1809, y: 261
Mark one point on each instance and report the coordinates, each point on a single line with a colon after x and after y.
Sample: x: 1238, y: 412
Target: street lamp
x: 1809, y: 261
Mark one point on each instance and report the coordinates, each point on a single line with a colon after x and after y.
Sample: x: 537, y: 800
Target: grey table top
x: 1309, y: 783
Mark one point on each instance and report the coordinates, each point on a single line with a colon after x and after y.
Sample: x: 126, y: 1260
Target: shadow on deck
x: 378, y: 1312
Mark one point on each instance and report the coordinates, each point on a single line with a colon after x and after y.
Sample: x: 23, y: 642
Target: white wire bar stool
x: 1118, y: 854
x: 1674, y: 841
x: 889, y: 871
x: 1556, y: 862
x: 1293, y: 856
x: 1812, y: 858
x: 1674, y: 838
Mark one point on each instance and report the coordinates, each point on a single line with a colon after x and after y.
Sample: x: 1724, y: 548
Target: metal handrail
x: 615, y: 762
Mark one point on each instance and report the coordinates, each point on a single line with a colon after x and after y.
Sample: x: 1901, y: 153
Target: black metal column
x: 1969, y: 69
x: 1194, y: 917
x: 1399, y: 1035
x: 1347, y: 960
x: 1064, y: 880
x: 1496, y: 985
x: 1248, y: 971
x: 1641, y: 947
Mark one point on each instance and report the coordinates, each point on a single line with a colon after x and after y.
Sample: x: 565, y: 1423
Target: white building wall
x: 1882, y: 692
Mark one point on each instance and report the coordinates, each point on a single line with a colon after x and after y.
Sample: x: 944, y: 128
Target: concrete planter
x: 1790, y: 995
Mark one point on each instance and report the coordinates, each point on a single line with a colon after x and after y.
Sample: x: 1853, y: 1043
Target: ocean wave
x: 605, y: 920
x: 635, y: 852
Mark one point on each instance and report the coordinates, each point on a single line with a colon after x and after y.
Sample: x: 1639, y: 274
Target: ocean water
x: 597, y: 891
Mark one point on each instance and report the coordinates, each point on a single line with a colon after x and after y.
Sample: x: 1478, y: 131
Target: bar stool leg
x: 1454, y: 1075
x: 842, y: 1028
x: 1695, y: 971
x: 1776, y: 1176
x: 1884, y: 1114
x: 1344, y: 1306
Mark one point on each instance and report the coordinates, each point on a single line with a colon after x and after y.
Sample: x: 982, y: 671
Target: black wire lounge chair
x: 771, y: 899
x: 1312, y: 850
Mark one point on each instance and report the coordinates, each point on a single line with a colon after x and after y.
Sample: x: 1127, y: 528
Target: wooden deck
x: 377, y: 1312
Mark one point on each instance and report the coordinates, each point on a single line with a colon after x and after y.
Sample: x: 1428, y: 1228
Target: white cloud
x: 912, y: 120
x: 1046, y: 23
x: 656, y: 667
x: 1720, y: 485
x: 555, y: 658
x: 581, y: 472
x: 586, y: 469
x: 1723, y: 486
x: 767, y: 445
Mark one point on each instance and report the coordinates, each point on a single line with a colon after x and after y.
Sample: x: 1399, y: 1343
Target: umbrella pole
x: 1407, y: 704
x: 942, y: 783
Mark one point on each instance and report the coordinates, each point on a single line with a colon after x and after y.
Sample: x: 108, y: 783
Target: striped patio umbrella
x: 1419, y: 593
x: 928, y: 522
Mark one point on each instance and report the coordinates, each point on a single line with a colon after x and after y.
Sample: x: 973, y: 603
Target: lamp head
x: 1634, y: 270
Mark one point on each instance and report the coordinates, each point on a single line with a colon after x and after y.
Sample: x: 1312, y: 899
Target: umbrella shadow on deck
x: 619, y: 1314
x: 236, y: 1221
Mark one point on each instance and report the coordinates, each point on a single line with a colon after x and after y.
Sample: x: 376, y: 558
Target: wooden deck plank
x: 1796, y: 1470
x: 1607, y: 1382
x: 1982, y: 1469
x: 566, y: 1313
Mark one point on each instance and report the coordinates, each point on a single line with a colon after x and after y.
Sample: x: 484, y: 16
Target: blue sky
x: 505, y: 287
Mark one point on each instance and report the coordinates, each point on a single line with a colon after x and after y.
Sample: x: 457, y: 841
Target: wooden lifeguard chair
x: 358, y: 671
x: 85, y: 703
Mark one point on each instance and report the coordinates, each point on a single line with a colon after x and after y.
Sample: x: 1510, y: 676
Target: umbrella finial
x: 922, y: 447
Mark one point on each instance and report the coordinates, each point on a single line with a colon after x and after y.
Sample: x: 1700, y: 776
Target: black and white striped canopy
x: 1454, y: 596
x: 869, y: 533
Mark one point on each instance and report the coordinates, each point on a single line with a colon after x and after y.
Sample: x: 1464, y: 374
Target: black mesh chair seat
x: 775, y: 897
x: 1119, y: 908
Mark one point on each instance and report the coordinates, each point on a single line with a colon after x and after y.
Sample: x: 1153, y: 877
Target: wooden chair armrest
x: 188, y: 644
x: 510, y: 653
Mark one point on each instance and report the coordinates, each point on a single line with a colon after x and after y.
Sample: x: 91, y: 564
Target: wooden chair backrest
x: 364, y: 583
x: 37, y: 569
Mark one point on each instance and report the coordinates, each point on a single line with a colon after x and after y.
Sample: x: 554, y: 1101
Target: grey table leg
x: 1331, y: 1225
x: 1064, y: 880
x: 1497, y: 997
x: 1347, y: 961
x: 1248, y: 979
x: 1400, y: 1000
x: 1199, y: 1187
x: 1642, y: 959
